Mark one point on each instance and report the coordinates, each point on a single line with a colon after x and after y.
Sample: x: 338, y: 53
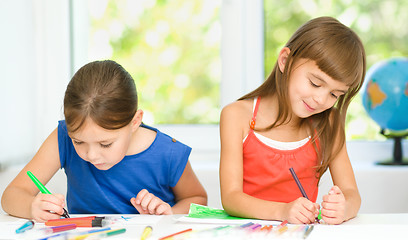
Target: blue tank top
x: 93, y: 191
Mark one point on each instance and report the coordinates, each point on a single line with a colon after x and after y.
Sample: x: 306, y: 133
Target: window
x: 381, y: 26
x: 172, y: 50
x: 184, y: 71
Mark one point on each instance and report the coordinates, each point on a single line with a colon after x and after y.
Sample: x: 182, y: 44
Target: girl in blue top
x: 114, y: 164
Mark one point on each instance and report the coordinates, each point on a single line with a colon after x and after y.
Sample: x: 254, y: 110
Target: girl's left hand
x: 148, y: 203
x: 334, y: 206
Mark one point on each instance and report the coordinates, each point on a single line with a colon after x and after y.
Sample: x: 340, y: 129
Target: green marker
x: 107, y: 233
x: 44, y: 190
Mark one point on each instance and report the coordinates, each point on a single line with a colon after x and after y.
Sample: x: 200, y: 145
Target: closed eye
x: 313, y: 84
x: 76, y: 142
x: 334, y: 95
x: 106, y: 145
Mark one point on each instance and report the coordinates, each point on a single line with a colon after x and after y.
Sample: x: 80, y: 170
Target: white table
x: 364, y: 226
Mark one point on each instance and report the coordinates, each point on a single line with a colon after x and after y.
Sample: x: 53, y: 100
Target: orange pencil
x: 267, y: 228
x: 177, y: 233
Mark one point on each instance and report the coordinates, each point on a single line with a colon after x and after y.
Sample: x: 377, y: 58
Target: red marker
x: 283, y: 223
x: 79, y: 222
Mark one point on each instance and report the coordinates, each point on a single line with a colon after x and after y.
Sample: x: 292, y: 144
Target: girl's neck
x: 289, y: 131
x: 142, y: 138
x: 271, y: 102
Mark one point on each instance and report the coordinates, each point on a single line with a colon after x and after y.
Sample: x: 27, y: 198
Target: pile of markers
x: 248, y: 231
x: 63, y: 229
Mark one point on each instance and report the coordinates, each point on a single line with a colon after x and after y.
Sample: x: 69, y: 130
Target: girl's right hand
x: 301, y: 211
x: 47, y: 206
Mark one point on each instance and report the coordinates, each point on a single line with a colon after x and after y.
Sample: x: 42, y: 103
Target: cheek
x: 331, y: 103
x: 80, y: 151
x: 116, y: 153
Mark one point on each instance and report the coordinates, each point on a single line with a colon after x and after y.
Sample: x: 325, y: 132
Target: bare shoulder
x: 235, y: 119
x: 48, y: 154
x: 238, y: 110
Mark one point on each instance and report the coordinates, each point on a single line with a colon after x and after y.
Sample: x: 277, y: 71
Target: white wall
x: 35, y: 71
x: 17, y: 78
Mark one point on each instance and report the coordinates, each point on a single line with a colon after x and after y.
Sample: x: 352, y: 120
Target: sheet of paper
x: 204, y: 214
x: 138, y: 219
x: 188, y: 219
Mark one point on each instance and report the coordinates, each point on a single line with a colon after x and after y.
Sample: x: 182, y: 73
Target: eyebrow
x: 103, y: 141
x: 321, y: 79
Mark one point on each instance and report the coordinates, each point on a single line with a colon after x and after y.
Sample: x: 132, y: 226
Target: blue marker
x: 26, y: 226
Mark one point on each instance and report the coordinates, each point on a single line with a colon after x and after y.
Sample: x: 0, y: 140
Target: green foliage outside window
x: 172, y: 50
x: 381, y: 25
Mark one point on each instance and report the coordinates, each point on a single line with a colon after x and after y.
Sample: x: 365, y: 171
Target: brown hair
x: 339, y: 53
x: 103, y: 91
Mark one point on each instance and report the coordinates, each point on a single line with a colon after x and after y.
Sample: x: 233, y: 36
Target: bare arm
x: 234, y: 125
x: 188, y: 190
x: 21, y: 194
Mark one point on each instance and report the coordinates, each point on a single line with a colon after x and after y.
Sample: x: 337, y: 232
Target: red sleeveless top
x: 266, y: 169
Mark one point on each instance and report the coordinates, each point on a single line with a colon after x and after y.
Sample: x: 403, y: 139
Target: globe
x: 385, y: 98
x: 385, y: 94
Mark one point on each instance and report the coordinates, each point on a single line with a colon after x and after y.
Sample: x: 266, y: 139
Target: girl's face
x: 101, y: 147
x: 311, y: 91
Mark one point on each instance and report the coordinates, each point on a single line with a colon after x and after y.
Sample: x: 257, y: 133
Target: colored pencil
x: 177, y: 233
x: 302, y: 190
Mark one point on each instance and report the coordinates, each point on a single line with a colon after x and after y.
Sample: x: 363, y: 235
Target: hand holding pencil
x: 46, y: 206
x: 302, y: 210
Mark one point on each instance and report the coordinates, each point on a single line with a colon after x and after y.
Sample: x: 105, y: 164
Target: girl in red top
x: 295, y: 119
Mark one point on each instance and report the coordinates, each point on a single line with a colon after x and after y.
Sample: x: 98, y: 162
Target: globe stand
x: 398, y: 159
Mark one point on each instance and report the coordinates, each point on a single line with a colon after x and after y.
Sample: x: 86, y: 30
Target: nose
x: 91, y: 154
x: 320, y: 97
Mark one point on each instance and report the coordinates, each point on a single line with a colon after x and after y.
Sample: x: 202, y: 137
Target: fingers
x: 45, y: 216
x: 47, y: 206
x: 137, y: 206
x: 60, y: 197
x: 334, y: 206
x: 302, y: 211
x: 164, y: 209
x: 148, y: 203
x: 335, y: 190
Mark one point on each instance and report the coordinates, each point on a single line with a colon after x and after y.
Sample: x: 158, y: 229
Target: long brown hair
x: 339, y: 53
x: 103, y: 91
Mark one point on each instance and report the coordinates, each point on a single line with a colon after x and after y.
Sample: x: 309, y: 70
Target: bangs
x: 101, y: 114
x: 340, y: 59
x: 336, y: 49
x: 74, y: 119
